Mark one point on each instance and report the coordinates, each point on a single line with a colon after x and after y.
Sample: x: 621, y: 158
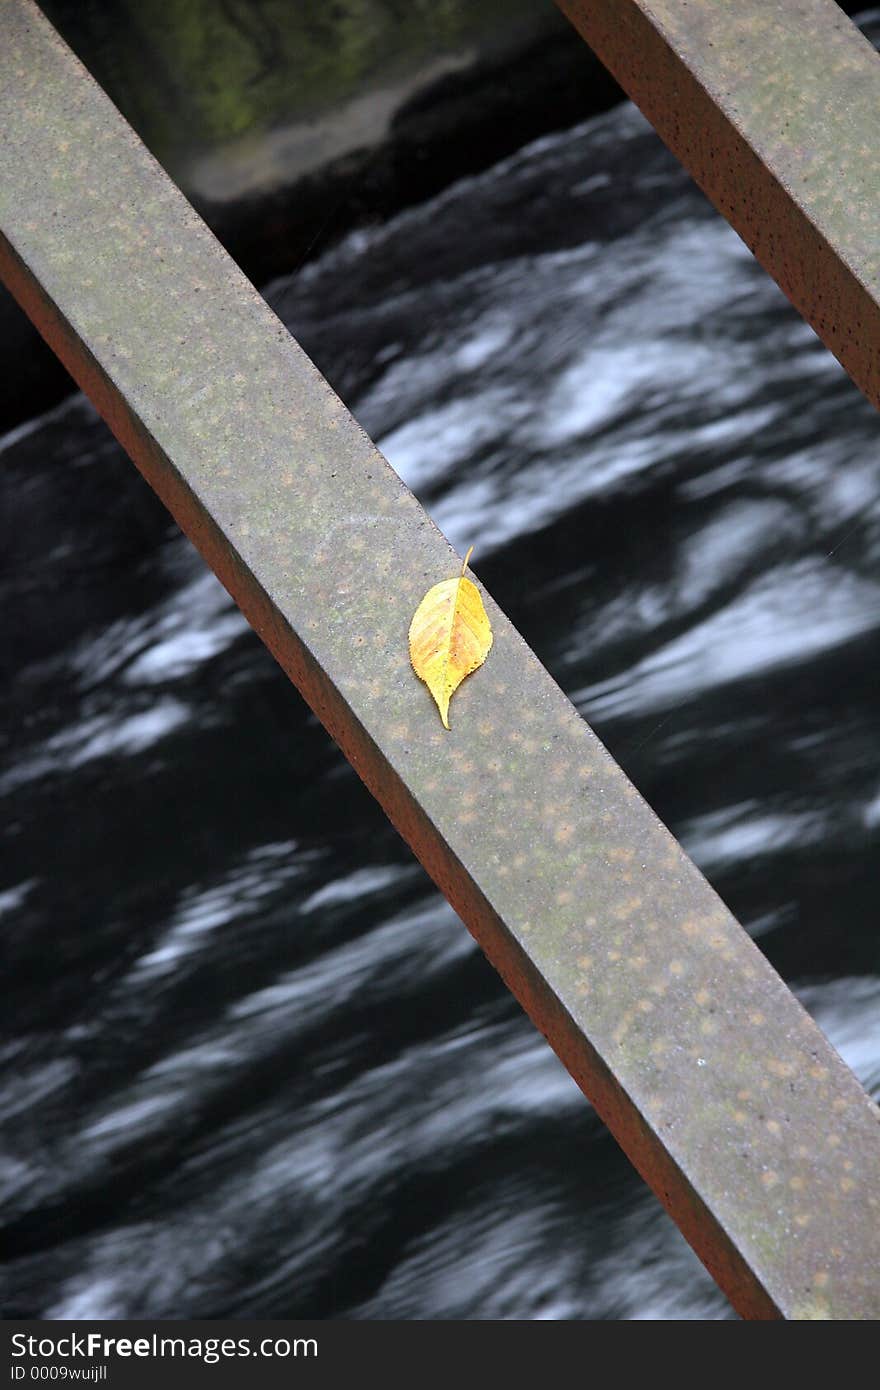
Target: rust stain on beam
x: 723, y: 1092
x: 773, y: 106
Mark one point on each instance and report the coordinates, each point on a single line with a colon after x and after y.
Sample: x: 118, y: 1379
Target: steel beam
x: 718, y: 1085
x: 774, y: 108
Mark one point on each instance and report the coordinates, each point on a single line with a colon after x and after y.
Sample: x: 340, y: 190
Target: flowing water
x: 254, y: 1065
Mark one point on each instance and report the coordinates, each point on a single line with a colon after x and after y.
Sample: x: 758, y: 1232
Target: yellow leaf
x: 449, y: 637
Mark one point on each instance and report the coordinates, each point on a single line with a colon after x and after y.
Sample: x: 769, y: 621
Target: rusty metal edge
x: 772, y: 108
x: 695, y: 1220
x: 720, y: 1249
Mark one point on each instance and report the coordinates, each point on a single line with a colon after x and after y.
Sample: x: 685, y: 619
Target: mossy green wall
x: 192, y: 75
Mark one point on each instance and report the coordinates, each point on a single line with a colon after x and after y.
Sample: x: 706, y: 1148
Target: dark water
x: 254, y: 1065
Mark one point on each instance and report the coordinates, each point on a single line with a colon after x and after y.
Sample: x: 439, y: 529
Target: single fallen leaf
x: 449, y: 637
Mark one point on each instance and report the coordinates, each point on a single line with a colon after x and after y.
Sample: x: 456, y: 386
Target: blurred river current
x: 254, y: 1065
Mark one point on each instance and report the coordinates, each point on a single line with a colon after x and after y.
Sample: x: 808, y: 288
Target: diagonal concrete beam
x: 773, y: 106
x: 725, y: 1095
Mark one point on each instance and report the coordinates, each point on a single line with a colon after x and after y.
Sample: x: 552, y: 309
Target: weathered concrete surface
x: 726, y: 1096
x: 773, y: 106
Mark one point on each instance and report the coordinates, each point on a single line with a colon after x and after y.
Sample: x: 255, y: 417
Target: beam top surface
x: 723, y: 1092
x: 773, y: 106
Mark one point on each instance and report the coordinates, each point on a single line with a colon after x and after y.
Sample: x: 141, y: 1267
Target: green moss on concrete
x: 194, y: 74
